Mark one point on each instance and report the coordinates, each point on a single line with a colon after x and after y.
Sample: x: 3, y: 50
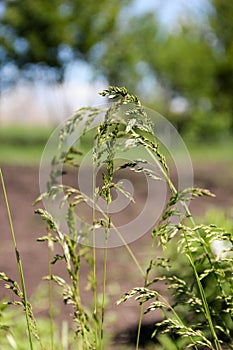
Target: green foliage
x: 219, y: 217
x: 13, y: 334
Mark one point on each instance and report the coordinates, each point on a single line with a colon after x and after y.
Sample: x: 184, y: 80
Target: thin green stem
x: 200, y: 287
x: 129, y: 250
x: 205, y: 303
x: 139, y: 325
x: 19, y: 263
x: 103, y: 294
x: 95, y: 291
x: 145, y: 285
x: 50, y: 297
x: 94, y: 286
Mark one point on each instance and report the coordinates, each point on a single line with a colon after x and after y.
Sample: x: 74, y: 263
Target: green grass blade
x: 19, y: 262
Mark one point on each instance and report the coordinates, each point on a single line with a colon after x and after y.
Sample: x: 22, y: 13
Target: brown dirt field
x: 23, y: 188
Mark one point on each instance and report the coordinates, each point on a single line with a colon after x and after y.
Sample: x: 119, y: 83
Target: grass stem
x: 19, y: 262
x: 139, y: 326
x: 94, y: 286
x: 50, y: 297
x: 103, y: 297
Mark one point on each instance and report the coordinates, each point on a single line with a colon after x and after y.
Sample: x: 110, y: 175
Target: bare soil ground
x: 22, y: 186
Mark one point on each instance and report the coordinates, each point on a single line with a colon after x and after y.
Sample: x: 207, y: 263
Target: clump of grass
x: 198, y: 311
x: 194, y: 241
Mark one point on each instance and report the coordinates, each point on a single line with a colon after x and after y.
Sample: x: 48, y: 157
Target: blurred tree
x: 191, y: 67
x: 221, y: 24
x: 123, y: 60
x: 55, y: 32
x: 196, y: 63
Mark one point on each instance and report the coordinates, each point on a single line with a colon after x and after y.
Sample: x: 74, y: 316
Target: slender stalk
x: 200, y: 287
x: 95, y: 293
x: 19, y: 263
x: 142, y: 306
x: 95, y: 316
x: 104, y: 290
x: 205, y: 304
x: 139, y: 326
x: 50, y: 297
x: 129, y: 250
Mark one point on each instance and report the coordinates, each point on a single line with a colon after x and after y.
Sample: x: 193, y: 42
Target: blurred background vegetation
x: 184, y: 70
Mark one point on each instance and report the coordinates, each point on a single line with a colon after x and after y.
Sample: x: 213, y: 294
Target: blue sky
x: 169, y: 10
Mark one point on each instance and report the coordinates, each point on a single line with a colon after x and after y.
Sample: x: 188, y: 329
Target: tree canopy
x: 54, y: 33
x: 194, y: 63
